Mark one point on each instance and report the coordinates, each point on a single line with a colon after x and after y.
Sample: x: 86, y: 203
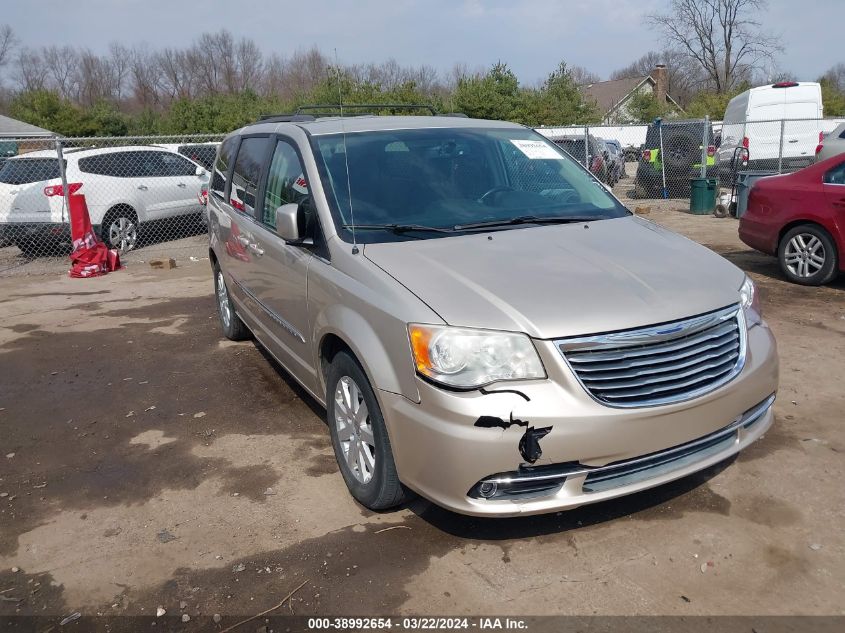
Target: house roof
x: 10, y: 127
x: 609, y: 94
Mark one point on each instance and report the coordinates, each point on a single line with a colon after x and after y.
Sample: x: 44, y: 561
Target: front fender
x: 385, y: 354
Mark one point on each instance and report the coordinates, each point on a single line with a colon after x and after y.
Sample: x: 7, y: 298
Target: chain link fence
x: 146, y: 197
x: 658, y: 161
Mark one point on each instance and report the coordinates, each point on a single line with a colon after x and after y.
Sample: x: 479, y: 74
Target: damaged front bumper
x: 589, y: 452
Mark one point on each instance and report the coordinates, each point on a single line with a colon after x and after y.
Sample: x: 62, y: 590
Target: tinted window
x: 22, y: 171
x: 285, y: 181
x: 247, y: 172
x: 115, y: 164
x: 835, y: 176
x: 202, y: 154
x: 221, y: 167
x: 171, y: 164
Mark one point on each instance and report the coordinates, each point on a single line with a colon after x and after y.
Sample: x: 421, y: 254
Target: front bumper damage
x: 588, y: 453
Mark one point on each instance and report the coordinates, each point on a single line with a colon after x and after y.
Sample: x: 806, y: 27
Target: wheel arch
x: 367, y: 348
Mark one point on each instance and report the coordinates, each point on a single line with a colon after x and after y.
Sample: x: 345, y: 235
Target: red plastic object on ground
x: 90, y: 256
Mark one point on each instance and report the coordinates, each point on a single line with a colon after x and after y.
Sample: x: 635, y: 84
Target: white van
x: 753, y: 120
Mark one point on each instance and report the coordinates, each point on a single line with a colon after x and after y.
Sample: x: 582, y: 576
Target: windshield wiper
x: 529, y: 219
x: 398, y: 228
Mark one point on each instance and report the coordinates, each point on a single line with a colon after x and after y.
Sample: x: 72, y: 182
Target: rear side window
x: 202, y: 154
x: 221, y: 167
x: 114, y: 164
x: 21, y: 171
x: 247, y: 173
x: 171, y: 164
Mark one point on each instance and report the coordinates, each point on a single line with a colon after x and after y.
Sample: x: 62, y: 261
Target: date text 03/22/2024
x: 417, y: 623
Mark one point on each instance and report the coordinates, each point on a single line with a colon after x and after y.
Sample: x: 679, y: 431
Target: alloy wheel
x: 804, y: 255
x: 354, y: 429
x: 223, y: 301
x: 123, y: 234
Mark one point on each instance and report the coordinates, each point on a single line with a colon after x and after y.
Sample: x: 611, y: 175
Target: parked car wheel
x: 231, y: 324
x: 120, y: 228
x: 359, y: 436
x: 808, y: 256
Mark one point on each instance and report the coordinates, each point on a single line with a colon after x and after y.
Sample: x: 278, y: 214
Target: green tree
x: 713, y: 103
x: 833, y: 98
x: 495, y: 95
x: 644, y: 107
x: 559, y: 101
x: 46, y: 109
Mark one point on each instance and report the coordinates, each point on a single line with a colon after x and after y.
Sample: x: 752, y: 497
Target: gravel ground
x: 145, y: 462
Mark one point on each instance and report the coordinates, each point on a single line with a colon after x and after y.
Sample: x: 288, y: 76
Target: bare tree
x: 836, y: 76
x: 144, y: 79
x: 120, y: 59
x: 581, y: 76
x: 720, y: 36
x: 685, y: 77
x: 8, y: 41
x: 30, y: 70
x: 61, y: 63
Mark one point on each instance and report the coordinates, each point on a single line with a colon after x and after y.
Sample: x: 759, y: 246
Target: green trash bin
x: 703, y: 192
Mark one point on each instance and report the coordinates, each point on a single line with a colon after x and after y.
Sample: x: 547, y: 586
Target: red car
x: 800, y: 217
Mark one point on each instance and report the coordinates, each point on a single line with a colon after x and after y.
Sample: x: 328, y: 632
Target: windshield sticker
x: 536, y: 150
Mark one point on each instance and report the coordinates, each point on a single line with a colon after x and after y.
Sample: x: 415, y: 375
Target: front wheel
x: 359, y: 436
x: 808, y: 256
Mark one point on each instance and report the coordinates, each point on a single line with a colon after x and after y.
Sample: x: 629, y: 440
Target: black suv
x: 683, y: 142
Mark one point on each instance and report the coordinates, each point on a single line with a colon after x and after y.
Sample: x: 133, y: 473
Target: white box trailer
x: 779, y: 125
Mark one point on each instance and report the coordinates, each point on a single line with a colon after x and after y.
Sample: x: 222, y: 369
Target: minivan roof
x: 350, y: 125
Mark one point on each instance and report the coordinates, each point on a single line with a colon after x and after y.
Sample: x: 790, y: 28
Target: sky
x: 532, y: 36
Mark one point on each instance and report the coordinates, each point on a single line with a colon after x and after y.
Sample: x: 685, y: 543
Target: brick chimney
x: 661, y: 80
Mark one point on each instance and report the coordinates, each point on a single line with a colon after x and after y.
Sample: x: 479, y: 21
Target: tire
x: 231, y: 324
x: 808, y: 256
x: 119, y: 229
x: 681, y: 150
x: 373, y: 480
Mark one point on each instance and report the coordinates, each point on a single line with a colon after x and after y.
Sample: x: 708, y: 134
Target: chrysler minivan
x: 485, y: 324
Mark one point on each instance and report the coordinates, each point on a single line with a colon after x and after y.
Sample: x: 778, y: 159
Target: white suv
x: 124, y: 187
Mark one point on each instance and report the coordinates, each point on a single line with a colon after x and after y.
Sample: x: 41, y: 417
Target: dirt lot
x: 144, y: 462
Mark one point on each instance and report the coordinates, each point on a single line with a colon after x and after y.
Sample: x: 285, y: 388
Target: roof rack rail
x: 284, y: 118
x: 334, y: 108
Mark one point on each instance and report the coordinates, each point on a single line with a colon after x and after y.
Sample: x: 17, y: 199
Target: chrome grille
x: 661, y: 364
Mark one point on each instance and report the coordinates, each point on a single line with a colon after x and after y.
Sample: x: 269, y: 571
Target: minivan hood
x: 562, y: 280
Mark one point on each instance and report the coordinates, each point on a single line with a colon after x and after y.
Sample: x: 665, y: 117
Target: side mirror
x: 287, y: 225
x: 199, y: 171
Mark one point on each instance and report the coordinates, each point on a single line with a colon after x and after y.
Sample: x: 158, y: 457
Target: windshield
x: 452, y: 177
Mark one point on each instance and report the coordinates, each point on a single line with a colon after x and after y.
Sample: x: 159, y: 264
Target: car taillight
x: 58, y: 190
x: 647, y: 155
x: 711, y: 150
x: 819, y: 148
x: 745, y: 142
x: 821, y: 137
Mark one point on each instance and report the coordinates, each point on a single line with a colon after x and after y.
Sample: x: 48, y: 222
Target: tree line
x: 714, y: 50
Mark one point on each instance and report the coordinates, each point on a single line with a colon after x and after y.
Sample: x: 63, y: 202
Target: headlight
x: 750, y: 301
x: 466, y: 358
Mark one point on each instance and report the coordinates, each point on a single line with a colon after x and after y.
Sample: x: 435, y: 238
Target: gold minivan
x: 486, y: 325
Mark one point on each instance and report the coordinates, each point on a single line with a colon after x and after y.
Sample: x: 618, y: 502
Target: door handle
x: 794, y: 140
x: 255, y: 249
x: 143, y: 187
x: 181, y: 185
